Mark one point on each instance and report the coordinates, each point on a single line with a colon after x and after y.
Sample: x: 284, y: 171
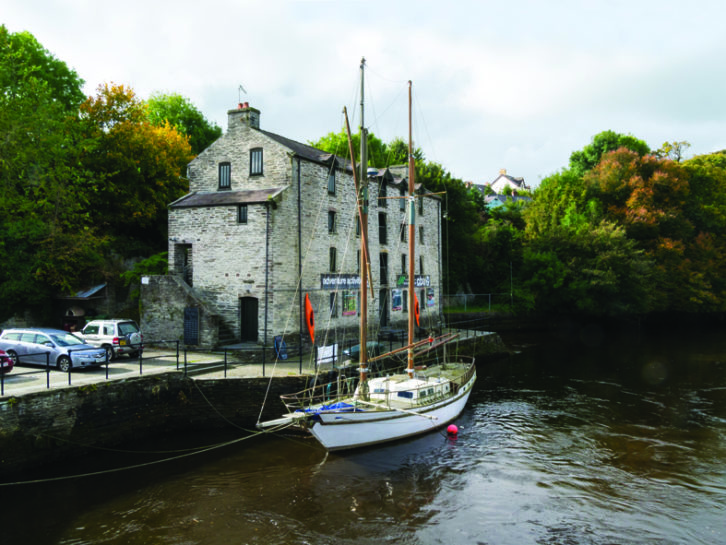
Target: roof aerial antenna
x: 240, y: 90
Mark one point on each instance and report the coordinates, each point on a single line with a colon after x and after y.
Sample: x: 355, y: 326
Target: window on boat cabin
x: 255, y: 162
x: 242, y: 213
x: 406, y: 394
x: 333, y: 305
x: 404, y: 230
x: 421, y: 234
x: 382, y: 229
x: 333, y: 256
x: 383, y: 259
x: 382, y: 201
x: 402, y: 200
x: 403, y: 263
x: 331, y: 221
x: 225, y: 175
x: 331, y: 181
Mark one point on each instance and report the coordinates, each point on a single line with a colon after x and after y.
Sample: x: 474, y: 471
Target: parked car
x: 372, y: 349
x: 42, y: 345
x: 6, y: 362
x: 117, y: 336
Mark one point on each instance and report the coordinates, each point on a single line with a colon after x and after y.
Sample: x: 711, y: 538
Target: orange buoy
x: 310, y: 318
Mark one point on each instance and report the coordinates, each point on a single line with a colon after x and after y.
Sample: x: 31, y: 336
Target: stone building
x: 268, y: 220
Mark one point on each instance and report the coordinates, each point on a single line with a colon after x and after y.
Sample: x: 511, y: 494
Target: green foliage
x: 137, y: 167
x: 157, y: 264
x: 181, y: 114
x: 48, y: 243
x: 27, y: 68
x: 589, y: 156
x: 380, y: 155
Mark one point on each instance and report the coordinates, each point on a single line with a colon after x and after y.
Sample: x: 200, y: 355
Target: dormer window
x: 225, y: 175
x: 256, y: 162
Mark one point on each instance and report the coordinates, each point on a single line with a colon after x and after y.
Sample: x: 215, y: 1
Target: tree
x: 380, y: 155
x: 672, y: 150
x: 26, y: 66
x: 47, y: 242
x: 138, y: 169
x: 182, y: 115
x: 586, y: 159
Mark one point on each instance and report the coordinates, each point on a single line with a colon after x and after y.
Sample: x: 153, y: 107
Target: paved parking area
x: 26, y: 379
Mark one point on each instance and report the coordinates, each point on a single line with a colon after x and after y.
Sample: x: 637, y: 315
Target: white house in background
x: 504, y: 184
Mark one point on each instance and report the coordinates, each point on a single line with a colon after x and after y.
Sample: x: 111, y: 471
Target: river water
x: 587, y: 438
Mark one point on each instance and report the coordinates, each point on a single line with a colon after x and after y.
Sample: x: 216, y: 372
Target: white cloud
x: 517, y: 86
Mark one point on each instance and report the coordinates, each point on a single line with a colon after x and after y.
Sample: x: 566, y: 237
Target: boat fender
x: 452, y: 429
x: 310, y: 318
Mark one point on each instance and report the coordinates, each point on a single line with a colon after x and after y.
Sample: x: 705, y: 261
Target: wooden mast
x: 363, y: 218
x: 411, y: 237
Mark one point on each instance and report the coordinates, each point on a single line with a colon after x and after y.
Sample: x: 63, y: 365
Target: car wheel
x: 109, y: 352
x: 64, y: 363
x: 13, y: 356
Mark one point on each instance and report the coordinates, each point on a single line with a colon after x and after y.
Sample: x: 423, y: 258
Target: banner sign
x: 421, y: 281
x: 332, y: 281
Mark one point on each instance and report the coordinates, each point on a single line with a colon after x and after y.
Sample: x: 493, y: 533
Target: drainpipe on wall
x: 267, y: 281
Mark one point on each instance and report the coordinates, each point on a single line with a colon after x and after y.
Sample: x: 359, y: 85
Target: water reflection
x: 605, y: 442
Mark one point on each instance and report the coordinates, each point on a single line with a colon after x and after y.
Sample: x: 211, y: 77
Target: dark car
x: 41, y: 346
x: 6, y: 362
x: 372, y: 349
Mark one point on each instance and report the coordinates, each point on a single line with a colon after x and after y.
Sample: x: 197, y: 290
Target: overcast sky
x: 516, y: 85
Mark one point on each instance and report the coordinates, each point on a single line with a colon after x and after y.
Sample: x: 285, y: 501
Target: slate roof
x: 308, y: 152
x: 226, y: 198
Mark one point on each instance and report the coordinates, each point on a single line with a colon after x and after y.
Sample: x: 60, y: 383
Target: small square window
x: 331, y: 221
x: 225, y: 175
x: 331, y: 181
x: 256, y: 162
x: 242, y: 213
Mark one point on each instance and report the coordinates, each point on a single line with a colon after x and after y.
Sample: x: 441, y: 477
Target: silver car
x: 117, y: 336
x: 41, y: 346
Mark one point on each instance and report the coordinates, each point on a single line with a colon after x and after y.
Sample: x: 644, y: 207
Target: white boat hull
x: 341, y: 430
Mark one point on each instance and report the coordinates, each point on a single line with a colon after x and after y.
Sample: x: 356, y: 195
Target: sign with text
x: 332, y: 281
x: 421, y: 281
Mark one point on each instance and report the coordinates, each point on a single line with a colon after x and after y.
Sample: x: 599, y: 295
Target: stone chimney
x: 244, y: 116
x: 503, y: 171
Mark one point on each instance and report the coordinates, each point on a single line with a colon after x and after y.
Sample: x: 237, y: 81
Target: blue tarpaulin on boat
x: 340, y: 407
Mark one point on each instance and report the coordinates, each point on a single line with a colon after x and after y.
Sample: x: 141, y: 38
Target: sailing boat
x: 422, y: 397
